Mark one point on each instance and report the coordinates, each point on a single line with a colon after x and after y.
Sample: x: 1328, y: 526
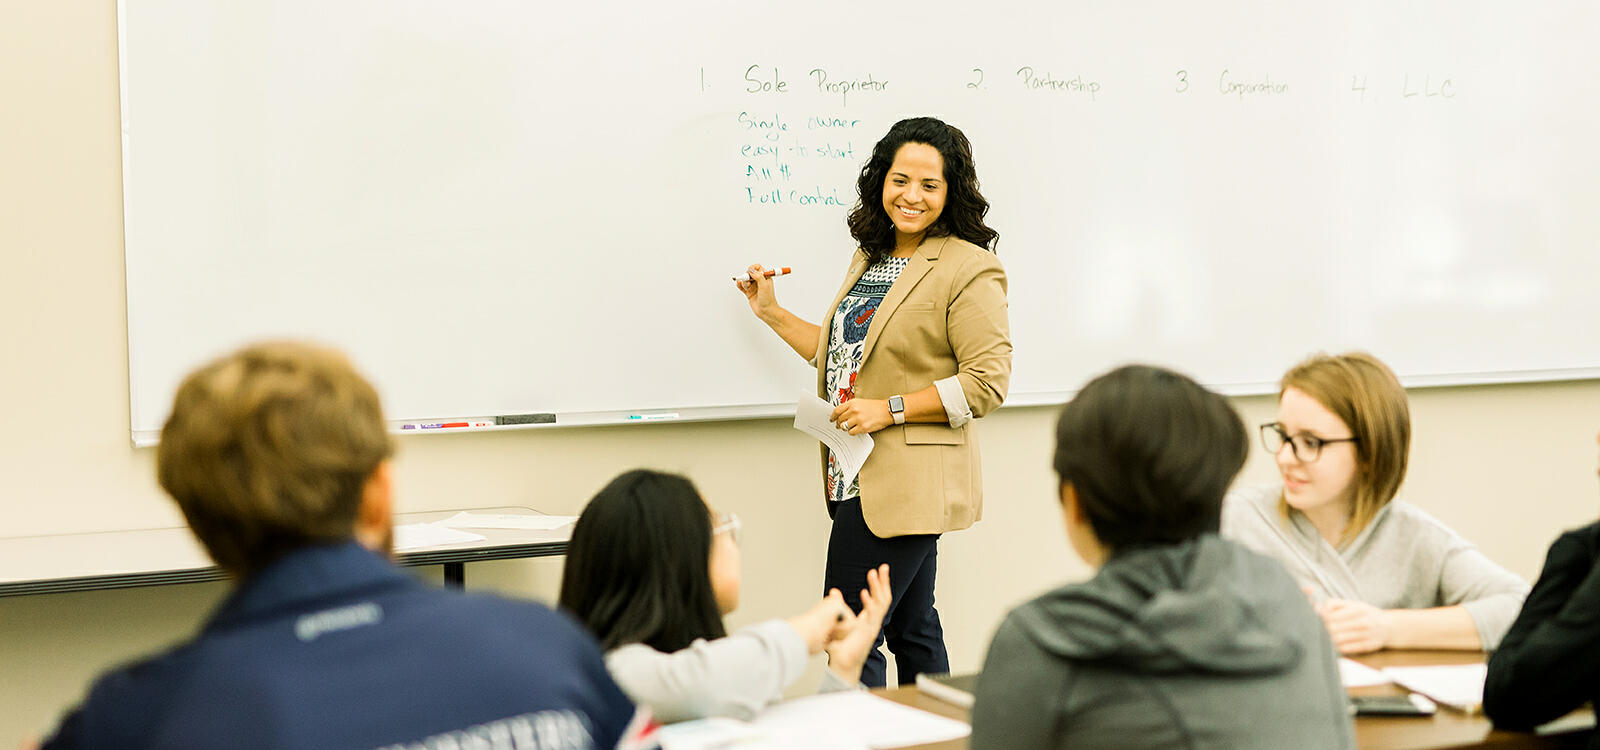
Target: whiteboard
x: 502, y: 207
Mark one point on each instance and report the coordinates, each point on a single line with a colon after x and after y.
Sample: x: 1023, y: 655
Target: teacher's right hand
x: 759, y: 293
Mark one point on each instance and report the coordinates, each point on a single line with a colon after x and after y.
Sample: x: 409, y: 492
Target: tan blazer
x: 945, y: 317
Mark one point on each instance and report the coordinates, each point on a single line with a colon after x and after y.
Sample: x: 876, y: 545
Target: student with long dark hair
x: 915, y: 346
x: 651, y: 570
x: 1181, y: 638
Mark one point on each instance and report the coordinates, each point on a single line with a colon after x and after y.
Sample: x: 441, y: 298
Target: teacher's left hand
x: 862, y: 415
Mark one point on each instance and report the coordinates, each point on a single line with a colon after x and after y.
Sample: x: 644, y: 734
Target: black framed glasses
x: 1306, y: 448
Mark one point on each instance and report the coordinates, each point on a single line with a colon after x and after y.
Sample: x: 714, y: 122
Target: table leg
x: 455, y: 575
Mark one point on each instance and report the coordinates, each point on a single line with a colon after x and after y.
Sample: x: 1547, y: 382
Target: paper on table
x: 731, y: 734
x: 469, y: 520
x: 414, y: 535
x: 1355, y: 674
x: 873, y: 721
x: 851, y: 451
x: 1458, y: 686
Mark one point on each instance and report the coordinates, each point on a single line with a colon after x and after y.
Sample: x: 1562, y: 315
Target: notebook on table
x: 954, y: 689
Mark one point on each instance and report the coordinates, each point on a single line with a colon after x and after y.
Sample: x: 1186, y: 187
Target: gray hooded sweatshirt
x: 1203, y: 644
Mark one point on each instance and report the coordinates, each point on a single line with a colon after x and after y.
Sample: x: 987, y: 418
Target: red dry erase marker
x: 444, y: 425
x: 769, y: 273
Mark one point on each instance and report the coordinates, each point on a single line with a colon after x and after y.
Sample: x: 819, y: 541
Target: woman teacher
x: 916, y: 346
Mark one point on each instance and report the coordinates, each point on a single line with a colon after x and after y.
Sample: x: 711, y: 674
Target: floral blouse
x: 846, y: 343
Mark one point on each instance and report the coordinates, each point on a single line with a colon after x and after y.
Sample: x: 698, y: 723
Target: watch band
x: 897, y: 409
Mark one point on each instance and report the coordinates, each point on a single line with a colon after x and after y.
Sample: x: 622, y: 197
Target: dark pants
x: 912, y: 625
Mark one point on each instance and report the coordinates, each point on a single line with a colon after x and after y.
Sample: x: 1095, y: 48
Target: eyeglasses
x: 728, y: 522
x: 1306, y: 448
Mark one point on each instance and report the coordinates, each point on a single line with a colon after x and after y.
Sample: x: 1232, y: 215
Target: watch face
x: 897, y: 403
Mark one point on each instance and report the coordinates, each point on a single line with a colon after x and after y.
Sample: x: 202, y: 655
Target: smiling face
x: 914, y: 191
x: 1331, y: 478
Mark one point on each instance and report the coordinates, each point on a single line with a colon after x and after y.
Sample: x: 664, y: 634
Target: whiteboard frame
x: 149, y: 438
x: 143, y: 438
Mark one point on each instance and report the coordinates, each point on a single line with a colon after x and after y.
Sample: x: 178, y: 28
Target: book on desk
x: 956, y: 689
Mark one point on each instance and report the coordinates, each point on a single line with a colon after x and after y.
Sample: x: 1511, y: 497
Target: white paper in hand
x: 851, y: 451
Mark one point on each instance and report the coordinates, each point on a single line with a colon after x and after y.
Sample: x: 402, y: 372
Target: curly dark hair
x: 964, y: 206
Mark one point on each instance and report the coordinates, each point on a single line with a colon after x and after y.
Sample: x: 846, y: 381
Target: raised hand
x: 848, y: 653
x: 818, y: 625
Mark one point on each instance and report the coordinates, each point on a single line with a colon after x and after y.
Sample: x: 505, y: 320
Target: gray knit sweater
x: 1404, y: 559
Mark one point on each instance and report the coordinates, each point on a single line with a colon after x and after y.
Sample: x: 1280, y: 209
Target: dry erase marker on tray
x: 769, y: 273
x: 657, y: 417
x: 447, y: 425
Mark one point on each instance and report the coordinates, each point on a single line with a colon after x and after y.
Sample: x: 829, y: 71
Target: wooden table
x: 1454, y: 729
x: 59, y: 563
x: 1445, y: 729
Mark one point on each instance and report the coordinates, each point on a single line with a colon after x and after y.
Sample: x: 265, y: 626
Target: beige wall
x: 1507, y: 466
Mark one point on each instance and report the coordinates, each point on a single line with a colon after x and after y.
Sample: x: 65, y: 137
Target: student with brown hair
x: 278, y: 457
x: 1383, y: 573
x: 1181, y: 638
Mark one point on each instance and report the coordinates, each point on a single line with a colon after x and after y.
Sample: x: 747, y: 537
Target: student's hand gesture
x: 818, y: 624
x: 848, y: 654
x: 1356, y: 627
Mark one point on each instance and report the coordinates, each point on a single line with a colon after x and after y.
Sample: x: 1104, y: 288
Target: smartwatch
x: 897, y: 409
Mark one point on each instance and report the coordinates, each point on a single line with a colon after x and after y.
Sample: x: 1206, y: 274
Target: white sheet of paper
x: 851, y: 451
x: 1355, y: 674
x: 469, y: 520
x: 414, y: 535
x: 1459, y: 686
x: 706, y: 734
x: 875, y: 722
x: 732, y: 734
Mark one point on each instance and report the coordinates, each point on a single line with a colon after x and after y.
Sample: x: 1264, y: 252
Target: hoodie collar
x: 1200, y: 605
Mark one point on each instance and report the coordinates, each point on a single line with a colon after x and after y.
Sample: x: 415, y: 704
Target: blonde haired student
x: 1383, y: 573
